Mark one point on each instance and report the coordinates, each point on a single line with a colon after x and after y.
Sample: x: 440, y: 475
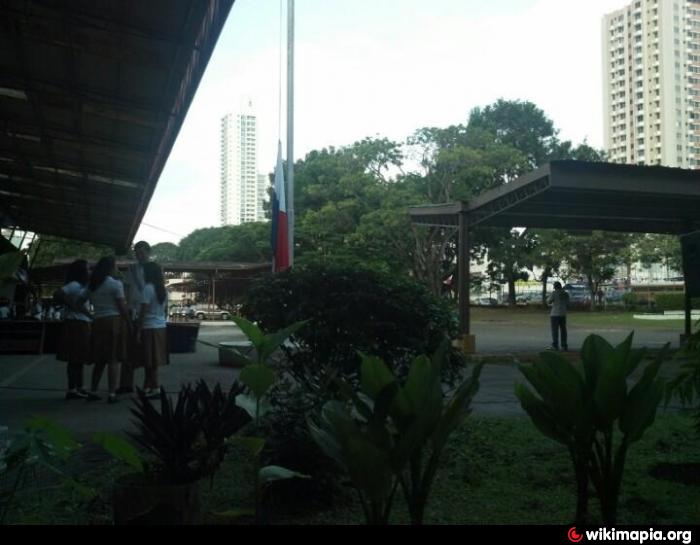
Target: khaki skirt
x: 108, y: 340
x: 154, y: 344
x: 74, y: 343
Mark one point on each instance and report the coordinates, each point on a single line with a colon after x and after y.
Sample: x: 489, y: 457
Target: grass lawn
x: 576, y: 318
x: 495, y: 471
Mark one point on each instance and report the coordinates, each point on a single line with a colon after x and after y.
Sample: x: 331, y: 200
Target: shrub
x: 351, y: 310
x: 591, y: 409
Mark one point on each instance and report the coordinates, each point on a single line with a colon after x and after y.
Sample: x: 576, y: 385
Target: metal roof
x: 92, y: 96
x: 580, y: 195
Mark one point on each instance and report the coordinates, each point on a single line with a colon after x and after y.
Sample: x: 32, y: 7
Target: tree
x: 48, y: 249
x: 596, y: 256
x: 520, y: 125
x: 552, y: 247
x: 164, y: 252
x: 509, y: 254
x: 248, y: 242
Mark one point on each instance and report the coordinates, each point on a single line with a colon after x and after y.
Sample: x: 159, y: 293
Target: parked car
x: 578, y: 293
x: 181, y: 311
x: 210, y: 312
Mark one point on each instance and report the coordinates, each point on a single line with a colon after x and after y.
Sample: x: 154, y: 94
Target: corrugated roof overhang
x: 580, y: 195
x: 92, y: 97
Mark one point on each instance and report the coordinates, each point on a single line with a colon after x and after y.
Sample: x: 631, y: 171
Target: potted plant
x: 184, y: 443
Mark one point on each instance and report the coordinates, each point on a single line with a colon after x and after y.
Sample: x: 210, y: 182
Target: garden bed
x: 494, y: 471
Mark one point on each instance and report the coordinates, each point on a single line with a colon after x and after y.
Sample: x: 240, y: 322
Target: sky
x: 379, y: 68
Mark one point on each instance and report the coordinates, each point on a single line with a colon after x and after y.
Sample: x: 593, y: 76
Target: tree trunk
x: 593, y: 288
x: 545, y: 277
x: 511, y: 291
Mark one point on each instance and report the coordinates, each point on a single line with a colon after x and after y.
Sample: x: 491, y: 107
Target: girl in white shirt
x: 110, y: 326
x: 152, y: 326
x: 74, y: 344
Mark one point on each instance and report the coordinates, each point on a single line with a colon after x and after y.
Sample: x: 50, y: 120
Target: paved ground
x: 34, y: 385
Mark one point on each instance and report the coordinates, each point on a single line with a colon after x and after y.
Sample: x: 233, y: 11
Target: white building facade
x: 651, y: 83
x: 242, y: 193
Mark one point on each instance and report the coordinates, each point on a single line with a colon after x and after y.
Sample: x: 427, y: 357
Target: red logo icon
x: 574, y: 536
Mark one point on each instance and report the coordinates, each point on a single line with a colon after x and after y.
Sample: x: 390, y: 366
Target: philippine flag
x: 280, y: 229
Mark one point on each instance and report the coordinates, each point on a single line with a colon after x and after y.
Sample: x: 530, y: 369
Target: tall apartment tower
x: 241, y: 192
x: 651, y: 83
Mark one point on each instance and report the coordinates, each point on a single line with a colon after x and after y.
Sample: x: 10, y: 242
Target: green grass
x: 533, y: 316
x: 494, y: 471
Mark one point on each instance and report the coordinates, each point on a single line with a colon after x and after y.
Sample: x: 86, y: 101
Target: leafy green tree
x: 550, y: 250
x: 596, y: 256
x: 46, y: 250
x: 248, y: 242
x: 164, y: 252
x: 510, y: 253
x: 520, y: 125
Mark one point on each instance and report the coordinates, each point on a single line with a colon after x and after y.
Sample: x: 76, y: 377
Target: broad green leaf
x: 541, y: 417
x: 270, y: 474
x: 327, y: 443
x: 420, y: 383
x: 254, y: 445
x: 374, y: 375
x: 57, y: 436
x: 9, y: 262
x: 369, y: 468
x: 594, y: 353
x: 250, y: 330
x: 259, y: 378
x: 273, y: 341
x: 120, y: 449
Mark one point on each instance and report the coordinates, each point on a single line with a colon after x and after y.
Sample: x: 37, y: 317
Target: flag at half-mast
x: 280, y: 226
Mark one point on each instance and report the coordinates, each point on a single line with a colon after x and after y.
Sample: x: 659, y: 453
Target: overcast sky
x: 380, y: 67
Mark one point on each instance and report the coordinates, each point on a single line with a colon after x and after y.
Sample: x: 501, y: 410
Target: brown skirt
x: 74, y: 343
x: 154, y: 344
x: 108, y: 340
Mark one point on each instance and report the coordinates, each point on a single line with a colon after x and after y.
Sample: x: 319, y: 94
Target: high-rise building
x: 651, y: 83
x: 242, y: 194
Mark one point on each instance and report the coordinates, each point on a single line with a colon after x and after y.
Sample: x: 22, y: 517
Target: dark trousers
x: 558, y: 323
x: 75, y: 376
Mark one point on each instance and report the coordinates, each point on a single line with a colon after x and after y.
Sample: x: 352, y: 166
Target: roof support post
x: 463, y: 252
x: 466, y: 341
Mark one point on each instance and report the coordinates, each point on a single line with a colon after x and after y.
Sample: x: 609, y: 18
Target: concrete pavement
x: 34, y: 384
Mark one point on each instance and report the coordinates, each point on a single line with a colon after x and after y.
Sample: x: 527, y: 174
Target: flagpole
x: 290, y: 126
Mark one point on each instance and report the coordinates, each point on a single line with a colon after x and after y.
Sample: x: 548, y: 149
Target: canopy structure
x: 92, y: 97
x: 574, y: 195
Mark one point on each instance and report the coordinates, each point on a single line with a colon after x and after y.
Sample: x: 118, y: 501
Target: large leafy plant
x: 686, y: 384
x: 184, y: 441
x: 41, y: 444
x: 593, y: 412
x: 396, y: 432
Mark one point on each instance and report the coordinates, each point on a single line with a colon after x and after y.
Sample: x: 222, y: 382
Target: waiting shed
x: 574, y: 195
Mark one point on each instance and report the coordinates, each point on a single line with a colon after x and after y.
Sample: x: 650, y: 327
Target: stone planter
x: 139, y: 502
x: 227, y: 358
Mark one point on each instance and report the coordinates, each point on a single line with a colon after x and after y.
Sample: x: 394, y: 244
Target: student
x: 151, y: 328
x: 135, y: 283
x: 74, y: 343
x: 557, y: 316
x: 110, y: 325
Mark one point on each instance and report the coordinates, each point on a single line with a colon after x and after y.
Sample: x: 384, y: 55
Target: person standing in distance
x: 558, y: 300
x: 135, y: 281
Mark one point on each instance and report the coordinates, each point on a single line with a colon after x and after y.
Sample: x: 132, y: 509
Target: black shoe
x: 76, y: 395
x: 565, y: 349
x: 112, y: 399
x: 125, y: 390
x: 91, y: 396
